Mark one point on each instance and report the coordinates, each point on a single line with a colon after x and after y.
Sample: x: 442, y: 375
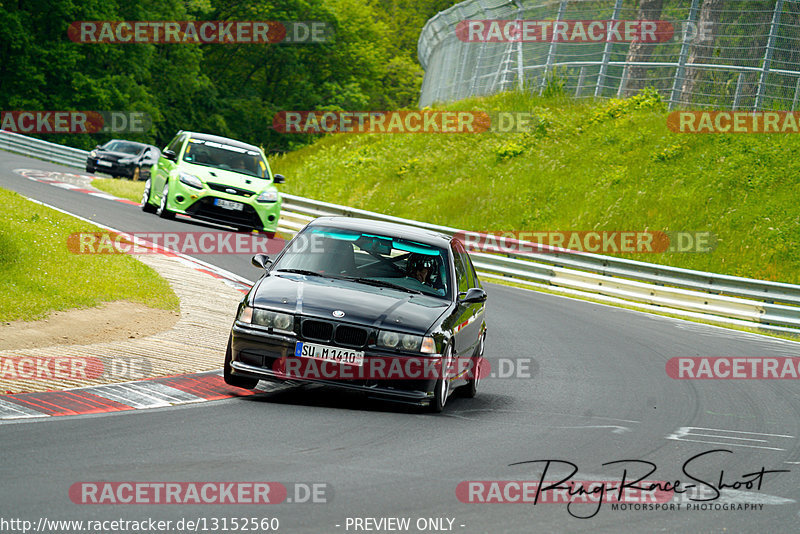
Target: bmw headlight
x: 388, y: 339
x: 278, y: 321
x: 93, y: 154
x: 406, y: 342
x: 267, y: 196
x: 191, y: 180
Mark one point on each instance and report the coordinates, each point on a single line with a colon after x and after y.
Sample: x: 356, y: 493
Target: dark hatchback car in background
x: 123, y: 158
x: 367, y: 306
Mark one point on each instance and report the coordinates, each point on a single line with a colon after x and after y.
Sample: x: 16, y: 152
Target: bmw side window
x: 461, y: 273
x: 473, y: 276
x: 469, y: 269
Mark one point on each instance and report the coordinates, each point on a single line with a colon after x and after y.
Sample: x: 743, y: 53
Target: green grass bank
x: 40, y: 274
x: 608, y: 165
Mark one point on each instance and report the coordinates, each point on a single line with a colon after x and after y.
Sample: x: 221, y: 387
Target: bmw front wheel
x: 442, y: 389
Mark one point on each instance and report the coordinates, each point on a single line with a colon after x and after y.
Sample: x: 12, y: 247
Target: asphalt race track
x: 596, y: 391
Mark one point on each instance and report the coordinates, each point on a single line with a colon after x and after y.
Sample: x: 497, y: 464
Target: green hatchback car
x: 215, y: 179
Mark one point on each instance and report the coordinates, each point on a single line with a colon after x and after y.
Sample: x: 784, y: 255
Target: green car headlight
x: 267, y: 196
x: 191, y: 180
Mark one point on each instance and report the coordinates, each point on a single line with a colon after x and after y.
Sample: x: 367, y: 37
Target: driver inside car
x: 423, y: 268
x: 241, y: 163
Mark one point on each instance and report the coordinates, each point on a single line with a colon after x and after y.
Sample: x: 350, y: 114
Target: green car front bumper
x: 213, y: 203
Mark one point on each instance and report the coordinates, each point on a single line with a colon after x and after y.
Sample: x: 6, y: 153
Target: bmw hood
x: 377, y: 307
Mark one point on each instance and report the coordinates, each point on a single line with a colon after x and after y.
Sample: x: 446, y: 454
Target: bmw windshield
x: 369, y: 259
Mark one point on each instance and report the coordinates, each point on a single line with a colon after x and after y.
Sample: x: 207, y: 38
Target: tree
x: 640, y: 51
x: 702, y: 50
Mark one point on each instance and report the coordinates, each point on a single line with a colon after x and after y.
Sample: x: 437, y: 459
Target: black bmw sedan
x: 123, y: 158
x: 391, y: 310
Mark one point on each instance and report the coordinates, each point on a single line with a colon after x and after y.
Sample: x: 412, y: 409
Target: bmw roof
x: 421, y: 235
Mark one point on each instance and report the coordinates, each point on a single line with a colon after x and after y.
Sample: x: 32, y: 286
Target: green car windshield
x: 369, y: 258
x: 226, y: 157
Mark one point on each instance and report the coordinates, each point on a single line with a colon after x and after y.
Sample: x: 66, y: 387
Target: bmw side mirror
x: 261, y: 260
x: 170, y: 155
x: 472, y: 296
x: 279, y: 179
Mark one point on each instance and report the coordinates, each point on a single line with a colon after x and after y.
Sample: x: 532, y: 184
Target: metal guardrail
x: 723, y: 299
x: 29, y: 146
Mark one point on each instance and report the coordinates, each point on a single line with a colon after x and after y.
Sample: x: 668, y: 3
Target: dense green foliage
x: 226, y: 89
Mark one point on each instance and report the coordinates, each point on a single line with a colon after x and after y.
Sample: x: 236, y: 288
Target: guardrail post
x: 551, y: 52
x: 474, y: 84
x: 601, y: 77
x: 738, y: 91
x: 680, y: 72
x: 622, y: 82
x: 773, y: 32
x: 520, y: 62
x: 581, y: 78
x: 463, y: 66
x: 796, y: 94
x: 520, y: 68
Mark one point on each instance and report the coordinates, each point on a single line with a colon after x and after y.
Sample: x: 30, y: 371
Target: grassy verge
x: 41, y: 275
x: 120, y: 187
x: 582, y: 166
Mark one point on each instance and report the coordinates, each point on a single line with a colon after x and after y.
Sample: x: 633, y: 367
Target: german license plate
x: 329, y: 354
x: 228, y: 204
x: 104, y: 163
